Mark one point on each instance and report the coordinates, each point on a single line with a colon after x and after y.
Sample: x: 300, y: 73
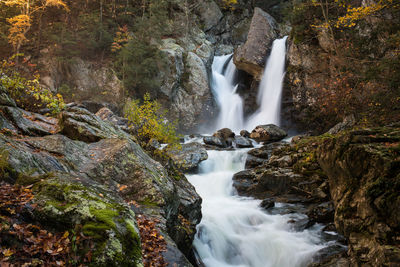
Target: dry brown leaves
x: 153, y: 243
x: 25, y: 244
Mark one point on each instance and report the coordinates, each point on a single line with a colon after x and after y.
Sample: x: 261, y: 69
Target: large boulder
x: 217, y: 142
x: 251, y: 56
x: 242, y: 142
x: 188, y: 156
x: 224, y: 133
x: 268, y: 133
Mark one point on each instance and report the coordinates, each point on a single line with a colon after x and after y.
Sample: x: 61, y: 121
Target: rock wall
x: 363, y: 167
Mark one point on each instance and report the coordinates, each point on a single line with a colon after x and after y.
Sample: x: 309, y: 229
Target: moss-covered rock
x: 103, y: 218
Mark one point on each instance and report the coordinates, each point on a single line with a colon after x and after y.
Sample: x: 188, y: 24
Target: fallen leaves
x: 153, y: 243
x: 22, y: 242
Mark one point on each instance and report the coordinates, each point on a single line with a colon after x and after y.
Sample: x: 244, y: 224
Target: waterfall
x: 235, y: 231
x: 269, y: 93
x: 270, y: 90
x: 229, y: 102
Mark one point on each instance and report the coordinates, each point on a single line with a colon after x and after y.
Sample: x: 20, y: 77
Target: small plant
x: 27, y: 92
x: 150, y: 122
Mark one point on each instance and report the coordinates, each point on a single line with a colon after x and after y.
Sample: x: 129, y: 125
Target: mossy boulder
x: 103, y: 218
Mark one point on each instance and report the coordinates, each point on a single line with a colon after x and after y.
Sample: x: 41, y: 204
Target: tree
x: 21, y: 23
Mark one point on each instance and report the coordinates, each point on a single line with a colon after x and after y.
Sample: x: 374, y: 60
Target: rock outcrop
x: 363, y: 167
x: 251, y: 56
x: 84, y: 170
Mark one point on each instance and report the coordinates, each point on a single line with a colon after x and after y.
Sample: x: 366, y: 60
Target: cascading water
x: 224, y: 89
x: 270, y: 90
x: 235, y: 231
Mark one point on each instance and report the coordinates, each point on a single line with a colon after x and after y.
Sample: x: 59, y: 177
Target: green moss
x: 148, y: 202
x: 105, y: 216
x: 95, y: 230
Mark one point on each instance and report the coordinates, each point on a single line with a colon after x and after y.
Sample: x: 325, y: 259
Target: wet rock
x: 65, y: 204
x: 252, y: 162
x: 268, y: 133
x: 262, y: 152
x: 189, y: 156
x: 278, y: 181
x: 242, y: 142
x: 94, y: 106
x: 244, y: 133
x: 114, y: 168
x: 333, y: 255
x: 244, y: 180
x: 299, y: 224
x: 216, y: 141
x: 107, y: 115
x: 224, y: 134
x: 251, y: 56
x: 281, y: 161
x: 322, y: 213
x: 267, y: 204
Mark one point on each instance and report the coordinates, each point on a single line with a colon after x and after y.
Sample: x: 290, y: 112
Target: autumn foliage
x: 153, y: 243
x: 23, y: 244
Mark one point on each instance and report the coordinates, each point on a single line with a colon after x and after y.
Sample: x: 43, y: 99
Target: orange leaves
x: 20, y: 24
x: 153, y: 243
x: 56, y: 3
x: 122, y: 187
x: 23, y: 243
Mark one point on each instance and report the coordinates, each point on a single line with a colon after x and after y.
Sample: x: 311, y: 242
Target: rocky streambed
x: 335, y: 187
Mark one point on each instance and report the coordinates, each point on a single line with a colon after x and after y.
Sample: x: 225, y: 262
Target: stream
x: 235, y: 230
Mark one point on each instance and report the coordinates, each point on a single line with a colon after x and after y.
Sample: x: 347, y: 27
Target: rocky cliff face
x: 89, y: 173
x: 363, y: 167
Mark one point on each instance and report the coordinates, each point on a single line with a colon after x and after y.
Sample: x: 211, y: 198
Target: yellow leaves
x: 19, y: 26
x: 229, y: 4
x: 56, y: 3
x: 354, y: 14
x: 149, y: 120
x: 7, y: 252
x: 14, y: 2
